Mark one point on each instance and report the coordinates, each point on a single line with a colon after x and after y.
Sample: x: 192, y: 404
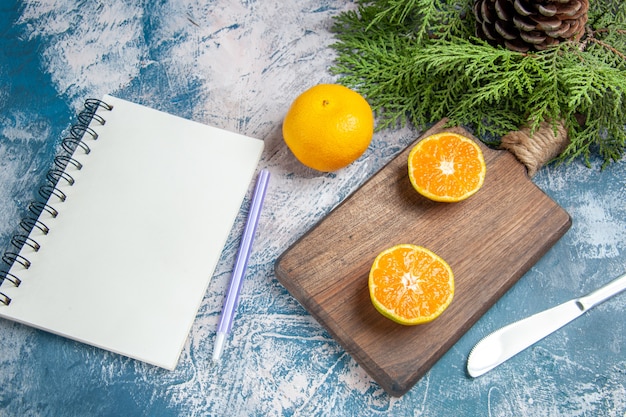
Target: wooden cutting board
x: 489, y: 240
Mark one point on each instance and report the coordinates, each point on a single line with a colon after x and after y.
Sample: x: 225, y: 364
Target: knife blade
x: 509, y: 340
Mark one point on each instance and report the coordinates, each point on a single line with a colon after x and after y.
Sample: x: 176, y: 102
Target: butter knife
x: 508, y: 341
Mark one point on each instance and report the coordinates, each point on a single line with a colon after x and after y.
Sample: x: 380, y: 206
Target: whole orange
x: 328, y: 127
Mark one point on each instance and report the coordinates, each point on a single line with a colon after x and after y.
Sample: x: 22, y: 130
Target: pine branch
x: 399, y: 10
x: 417, y: 62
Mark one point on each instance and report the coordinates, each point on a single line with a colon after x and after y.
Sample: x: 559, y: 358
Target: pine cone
x: 524, y: 25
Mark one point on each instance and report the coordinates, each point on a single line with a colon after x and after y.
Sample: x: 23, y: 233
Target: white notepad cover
x: 129, y: 257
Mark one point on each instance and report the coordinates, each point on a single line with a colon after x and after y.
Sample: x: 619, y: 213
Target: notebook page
x: 128, y: 259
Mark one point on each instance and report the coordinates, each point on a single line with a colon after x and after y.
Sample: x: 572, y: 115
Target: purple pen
x: 225, y: 323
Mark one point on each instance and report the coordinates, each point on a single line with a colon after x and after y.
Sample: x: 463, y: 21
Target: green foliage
x: 417, y: 61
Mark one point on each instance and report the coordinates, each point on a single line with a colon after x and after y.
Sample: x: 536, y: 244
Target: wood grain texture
x: 490, y: 240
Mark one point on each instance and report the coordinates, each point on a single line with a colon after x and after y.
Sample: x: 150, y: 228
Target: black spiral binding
x: 69, y: 145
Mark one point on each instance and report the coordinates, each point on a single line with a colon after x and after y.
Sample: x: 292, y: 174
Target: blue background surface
x: 238, y: 65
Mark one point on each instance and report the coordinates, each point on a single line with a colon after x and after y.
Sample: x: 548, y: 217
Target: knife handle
x: 603, y: 293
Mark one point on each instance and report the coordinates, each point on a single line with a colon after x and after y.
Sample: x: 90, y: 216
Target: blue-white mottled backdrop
x: 238, y: 65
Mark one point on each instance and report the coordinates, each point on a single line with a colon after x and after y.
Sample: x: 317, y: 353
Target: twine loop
x: 536, y: 149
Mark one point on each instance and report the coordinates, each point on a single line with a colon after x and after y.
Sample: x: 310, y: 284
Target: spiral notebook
x: 120, y: 249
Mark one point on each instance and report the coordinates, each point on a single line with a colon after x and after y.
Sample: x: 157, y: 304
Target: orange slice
x: 410, y: 284
x: 447, y: 167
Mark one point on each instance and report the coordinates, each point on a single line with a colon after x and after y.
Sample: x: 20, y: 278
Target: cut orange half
x: 447, y: 167
x: 410, y: 284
